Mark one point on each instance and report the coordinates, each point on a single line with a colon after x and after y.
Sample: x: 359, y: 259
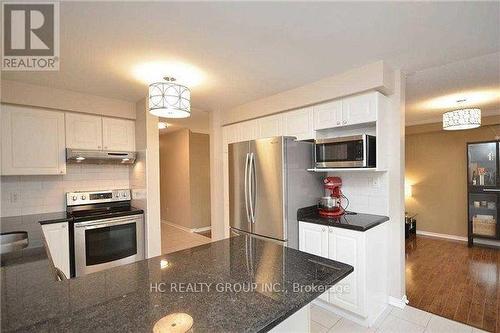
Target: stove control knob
x: 74, y: 198
x: 84, y: 197
x: 117, y: 195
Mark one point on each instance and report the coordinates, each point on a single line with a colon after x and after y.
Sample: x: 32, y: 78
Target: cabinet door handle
x: 338, y: 122
x: 331, y: 230
x: 345, y: 121
x: 323, y: 229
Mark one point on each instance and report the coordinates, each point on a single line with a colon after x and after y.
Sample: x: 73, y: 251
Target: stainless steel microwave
x: 357, y: 151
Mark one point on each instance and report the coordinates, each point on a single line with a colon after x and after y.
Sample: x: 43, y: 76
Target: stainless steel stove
x: 107, y: 230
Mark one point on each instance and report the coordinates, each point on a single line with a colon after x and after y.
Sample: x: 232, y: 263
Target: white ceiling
x: 432, y: 91
x: 249, y: 50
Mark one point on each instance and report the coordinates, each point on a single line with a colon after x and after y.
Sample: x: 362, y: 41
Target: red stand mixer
x: 331, y: 206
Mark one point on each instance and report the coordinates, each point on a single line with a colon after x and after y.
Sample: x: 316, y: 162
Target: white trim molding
x: 445, y: 236
x: 203, y: 229
x: 398, y: 302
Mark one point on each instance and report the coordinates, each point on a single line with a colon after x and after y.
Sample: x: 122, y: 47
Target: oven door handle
x: 100, y: 224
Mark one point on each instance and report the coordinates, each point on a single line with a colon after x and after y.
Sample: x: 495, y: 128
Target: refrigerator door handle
x: 252, y: 183
x: 246, y: 187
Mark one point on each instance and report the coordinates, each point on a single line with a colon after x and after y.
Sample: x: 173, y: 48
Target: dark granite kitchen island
x: 240, y: 284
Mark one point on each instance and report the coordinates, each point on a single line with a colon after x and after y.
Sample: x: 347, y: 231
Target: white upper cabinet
x: 249, y: 130
x: 271, y: 126
x: 100, y: 133
x: 118, y: 134
x: 299, y: 124
x: 33, y: 141
x: 83, y: 131
x: 327, y: 115
x: 360, y: 109
x: 230, y: 134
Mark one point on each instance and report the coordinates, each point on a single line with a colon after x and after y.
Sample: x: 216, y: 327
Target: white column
x: 216, y: 175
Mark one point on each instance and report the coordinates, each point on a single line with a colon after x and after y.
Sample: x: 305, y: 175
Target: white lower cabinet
x: 313, y: 239
x: 364, y: 291
x: 57, y: 240
x: 348, y: 246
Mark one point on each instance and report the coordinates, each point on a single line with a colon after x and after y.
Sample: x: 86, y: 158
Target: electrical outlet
x: 375, y: 183
x: 14, y: 197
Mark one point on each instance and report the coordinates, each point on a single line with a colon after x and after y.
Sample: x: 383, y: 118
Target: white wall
x: 367, y: 191
x: 145, y: 176
x: 23, y: 195
x: 216, y: 176
x: 396, y: 167
x: 374, y: 76
x: 20, y: 93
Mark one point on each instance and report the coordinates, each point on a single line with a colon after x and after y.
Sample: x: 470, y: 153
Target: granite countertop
x: 350, y: 220
x: 225, y: 286
x: 31, y: 224
x: 33, y: 259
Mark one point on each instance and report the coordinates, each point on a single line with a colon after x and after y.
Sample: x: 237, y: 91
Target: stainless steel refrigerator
x: 268, y: 182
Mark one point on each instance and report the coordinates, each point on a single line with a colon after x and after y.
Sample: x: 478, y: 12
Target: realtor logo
x: 30, y: 36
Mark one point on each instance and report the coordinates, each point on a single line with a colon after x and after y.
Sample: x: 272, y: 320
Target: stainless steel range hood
x: 100, y: 156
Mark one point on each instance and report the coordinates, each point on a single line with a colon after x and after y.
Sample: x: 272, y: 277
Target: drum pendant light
x: 169, y: 100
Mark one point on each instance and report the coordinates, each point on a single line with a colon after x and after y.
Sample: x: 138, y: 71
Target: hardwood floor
x: 452, y: 280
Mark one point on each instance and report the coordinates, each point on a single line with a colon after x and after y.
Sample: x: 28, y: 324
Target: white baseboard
x: 186, y: 229
x: 398, y: 302
x: 444, y: 236
x: 202, y: 229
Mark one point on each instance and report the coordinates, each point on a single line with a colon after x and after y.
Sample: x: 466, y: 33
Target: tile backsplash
x: 367, y: 191
x: 23, y: 195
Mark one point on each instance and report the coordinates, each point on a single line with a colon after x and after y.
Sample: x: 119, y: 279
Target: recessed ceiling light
x: 162, y: 125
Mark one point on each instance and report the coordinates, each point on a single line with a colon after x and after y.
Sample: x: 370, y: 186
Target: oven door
x: 106, y: 243
x: 343, y: 152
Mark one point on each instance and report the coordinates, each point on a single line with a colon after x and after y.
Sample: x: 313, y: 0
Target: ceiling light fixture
x: 462, y: 119
x: 162, y: 125
x: 169, y: 100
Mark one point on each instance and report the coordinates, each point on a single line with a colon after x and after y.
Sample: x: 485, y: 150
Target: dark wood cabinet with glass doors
x: 483, y: 186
